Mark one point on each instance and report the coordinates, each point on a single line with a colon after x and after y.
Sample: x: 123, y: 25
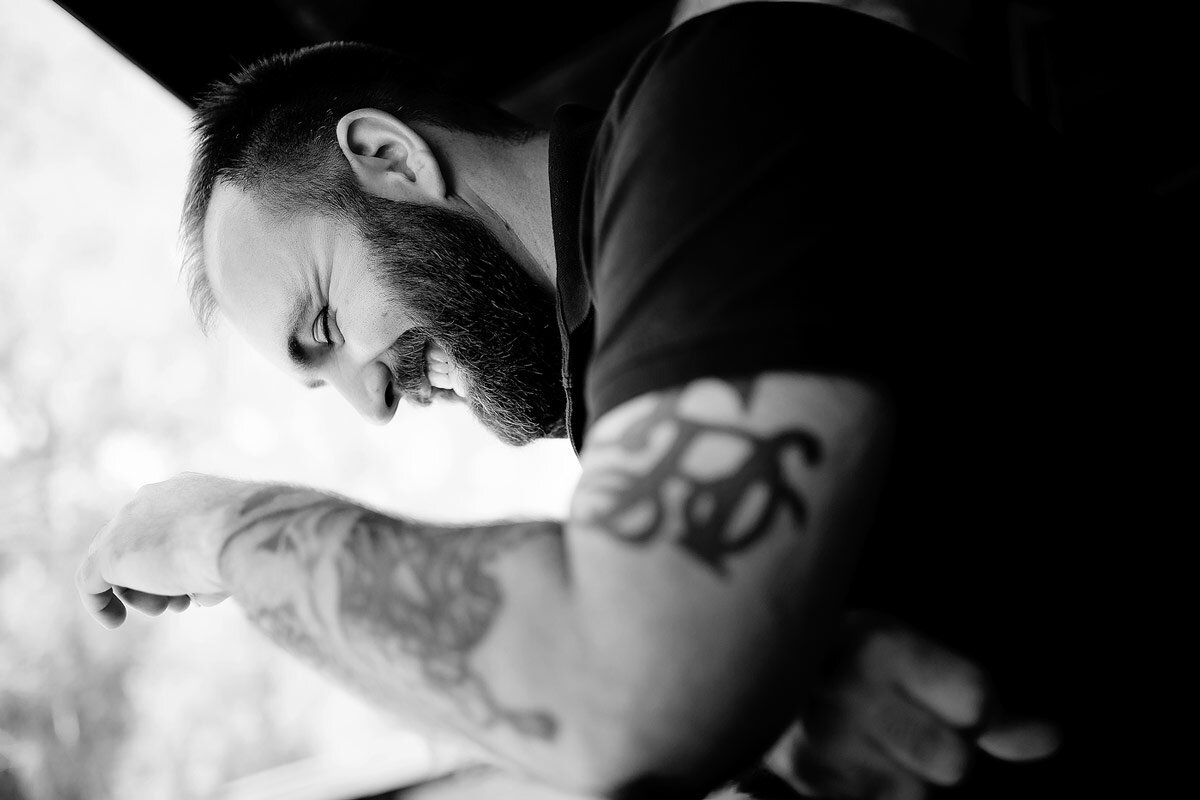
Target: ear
x: 389, y: 158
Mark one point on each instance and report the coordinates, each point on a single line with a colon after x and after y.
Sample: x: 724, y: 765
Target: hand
x: 160, y: 551
x: 895, y: 712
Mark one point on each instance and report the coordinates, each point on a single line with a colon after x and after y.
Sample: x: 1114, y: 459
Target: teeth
x: 440, y: 371
x: 437, y: 367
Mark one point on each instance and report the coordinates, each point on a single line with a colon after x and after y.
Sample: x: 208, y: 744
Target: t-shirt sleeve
x: 726, y: 232
x: 782, y: 186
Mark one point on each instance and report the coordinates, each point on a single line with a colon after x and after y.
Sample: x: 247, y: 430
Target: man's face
x: 362, y: 305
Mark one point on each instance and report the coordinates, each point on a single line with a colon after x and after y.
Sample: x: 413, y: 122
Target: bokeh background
x: 105, y: 385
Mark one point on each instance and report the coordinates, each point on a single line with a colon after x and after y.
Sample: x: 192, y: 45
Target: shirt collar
x: 572, y: 134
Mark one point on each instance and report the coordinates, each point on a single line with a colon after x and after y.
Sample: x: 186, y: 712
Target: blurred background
x: 106, y: 385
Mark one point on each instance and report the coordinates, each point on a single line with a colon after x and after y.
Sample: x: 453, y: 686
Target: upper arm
x: 711, y: 539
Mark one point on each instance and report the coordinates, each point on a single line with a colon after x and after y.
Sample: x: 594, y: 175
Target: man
x: 801, y: 283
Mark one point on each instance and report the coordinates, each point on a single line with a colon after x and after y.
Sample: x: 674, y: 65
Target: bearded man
x: 800, y: 288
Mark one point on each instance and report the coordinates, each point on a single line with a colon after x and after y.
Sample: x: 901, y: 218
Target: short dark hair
x: 272, y: 128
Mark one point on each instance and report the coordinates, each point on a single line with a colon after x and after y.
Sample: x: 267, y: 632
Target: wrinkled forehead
x: 255, y: 261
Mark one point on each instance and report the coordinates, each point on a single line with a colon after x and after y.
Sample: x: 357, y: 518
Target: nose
x: 370, y: 391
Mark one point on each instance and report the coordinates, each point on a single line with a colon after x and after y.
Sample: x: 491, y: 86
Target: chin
x: 514, y: 436
x: 515, y: 432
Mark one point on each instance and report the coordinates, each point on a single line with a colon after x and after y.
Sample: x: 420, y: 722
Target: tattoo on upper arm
x: 718, y: 486
x: 403, y: 593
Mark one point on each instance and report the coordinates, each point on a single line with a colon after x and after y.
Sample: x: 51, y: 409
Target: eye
x: 320, y: 330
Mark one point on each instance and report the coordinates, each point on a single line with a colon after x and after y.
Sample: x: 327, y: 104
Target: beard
x: 469, y: 296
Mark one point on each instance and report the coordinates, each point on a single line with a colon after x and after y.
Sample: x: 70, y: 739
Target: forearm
x: 475, y: 630
x: 668, y: 629
x: 478, y: 630
x: 461, y: 627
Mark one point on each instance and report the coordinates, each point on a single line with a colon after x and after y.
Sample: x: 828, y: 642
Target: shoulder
x: 702, y: 190
x: 779, y: 46
x: 742, y: 97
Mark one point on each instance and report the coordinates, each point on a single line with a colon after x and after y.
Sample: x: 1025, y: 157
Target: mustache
x: 406, y: 358
x: 465, y: 293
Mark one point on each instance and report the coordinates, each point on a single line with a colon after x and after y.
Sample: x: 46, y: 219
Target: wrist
x: 250, y: 508
x: 233, y: 518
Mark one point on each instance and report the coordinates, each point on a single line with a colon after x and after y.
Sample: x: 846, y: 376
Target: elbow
x: 668, y: 726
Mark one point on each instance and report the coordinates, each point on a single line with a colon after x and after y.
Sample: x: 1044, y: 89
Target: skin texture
x: 533, y: 639
x: 407, y: 592
x: 726, y: 510
x: 416, y: 286
x: 261, y: 267
x: 895, y: 714
x: 408, y: 301
x: 719, y: 517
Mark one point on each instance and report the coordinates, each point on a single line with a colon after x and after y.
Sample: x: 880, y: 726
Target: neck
x: 507, y: 184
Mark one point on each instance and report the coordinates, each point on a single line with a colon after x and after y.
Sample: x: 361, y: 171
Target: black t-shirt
x: 790, y: 186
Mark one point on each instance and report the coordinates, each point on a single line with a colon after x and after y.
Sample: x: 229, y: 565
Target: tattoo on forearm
x: 261, y: 497
x: 402, y: 594
x: 719, y: 486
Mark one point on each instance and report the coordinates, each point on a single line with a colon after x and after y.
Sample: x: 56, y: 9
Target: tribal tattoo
x: 403, y: 593
x: 720, y: 486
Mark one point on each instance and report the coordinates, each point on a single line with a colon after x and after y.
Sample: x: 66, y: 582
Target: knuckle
x: 928, y: 747
x: 965, y: 684
x: 941, y: 755
x: 976, y: 694
x: 956, y: 763
x: 154, y: 489
x: 922, y: 740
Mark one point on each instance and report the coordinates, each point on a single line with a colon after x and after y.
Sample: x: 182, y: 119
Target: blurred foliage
x: 105, y: 385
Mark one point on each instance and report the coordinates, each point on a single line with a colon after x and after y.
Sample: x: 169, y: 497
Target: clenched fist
x: 895, y: 713
x: 160, y: 551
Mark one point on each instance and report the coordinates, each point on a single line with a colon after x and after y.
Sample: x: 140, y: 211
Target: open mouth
x: 442, y: 374
x: 407, y: 363
x: 421, y: 371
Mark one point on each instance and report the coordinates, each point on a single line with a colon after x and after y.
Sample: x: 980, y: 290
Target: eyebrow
x: 296, y: 353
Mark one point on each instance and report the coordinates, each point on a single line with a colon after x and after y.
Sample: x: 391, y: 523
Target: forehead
x: 243, y: 240
x: 260, y: 264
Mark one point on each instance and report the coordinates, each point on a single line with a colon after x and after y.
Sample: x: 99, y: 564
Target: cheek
x: 375, y: 325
